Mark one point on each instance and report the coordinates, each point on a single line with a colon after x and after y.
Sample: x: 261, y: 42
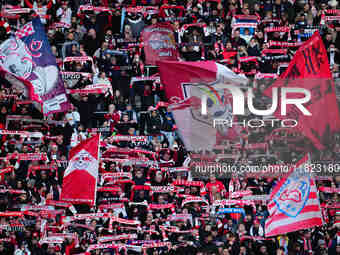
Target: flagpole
x: 313, y: 179
x: 95, y: 193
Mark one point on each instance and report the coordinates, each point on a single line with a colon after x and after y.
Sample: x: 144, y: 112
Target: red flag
x: 294, y: 203
x: 309, y: 69
x: 81, y: 175
x: 159, y: 43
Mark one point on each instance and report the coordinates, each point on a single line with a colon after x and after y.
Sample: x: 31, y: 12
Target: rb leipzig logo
x: 293, y: 195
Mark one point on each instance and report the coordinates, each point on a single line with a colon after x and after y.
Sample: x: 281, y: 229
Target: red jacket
x: 218, y: 184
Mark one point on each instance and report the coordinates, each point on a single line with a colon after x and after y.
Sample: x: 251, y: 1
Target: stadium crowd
x: 159, y: 206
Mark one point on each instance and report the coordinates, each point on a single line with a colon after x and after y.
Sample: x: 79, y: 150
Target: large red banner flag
x: 81, y: 175
x: 294, y: 203
x: 159, y: 43
x: 309, y: 69
x: 185, y: 84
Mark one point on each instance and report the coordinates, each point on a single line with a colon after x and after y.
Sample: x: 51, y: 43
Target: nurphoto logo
x: 239, y: 101
x: 301, y: 96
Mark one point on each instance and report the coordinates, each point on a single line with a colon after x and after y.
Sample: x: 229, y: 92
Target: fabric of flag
x: 159, y: 43
x: 24, y: 31
x: 81, y: 175
x: 309, y: 69
x: 185, y: 83
x: 27, y: 62
x: 294, y: 203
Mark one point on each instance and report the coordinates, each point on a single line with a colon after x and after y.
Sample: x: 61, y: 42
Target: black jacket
x: 86, y: 109
x: 154, y: 125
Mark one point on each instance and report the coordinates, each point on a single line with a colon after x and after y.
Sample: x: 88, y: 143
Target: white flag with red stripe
x: 294, y: 203
x: 81, y: 175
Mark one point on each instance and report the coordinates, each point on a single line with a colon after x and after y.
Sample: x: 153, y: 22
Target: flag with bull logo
x: 81, y: 175
x: 294, y: 203
x: 27, y: 62
x: 159, y: 43
x: 185, y: 85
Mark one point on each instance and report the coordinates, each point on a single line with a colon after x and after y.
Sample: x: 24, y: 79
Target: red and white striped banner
x: 95, y: 8
x: 277, y: 29
x: 284, y: 44
x: 27, y: 156
x: 129, y: 138
x: 117, y: 175
x: 21, y: 133
x: 80, y: 59
x: 105, y: 239
x: 259, y: 76
x: 13, y: 191
x: 329, y: 190
x: 241, y: 193
x: 194, y: 199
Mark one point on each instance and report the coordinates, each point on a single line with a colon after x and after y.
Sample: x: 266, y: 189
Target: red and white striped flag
x: 294, y: 203
x: 81, y: 175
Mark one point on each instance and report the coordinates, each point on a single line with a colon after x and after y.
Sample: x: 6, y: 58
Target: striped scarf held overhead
x: 307, y: 245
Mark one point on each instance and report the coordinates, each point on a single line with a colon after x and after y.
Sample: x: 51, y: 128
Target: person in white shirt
x: 22, y: 250
x: 65, y: 14
x: 73, y: 117
x: 78, y: 136
x: 102, y: 79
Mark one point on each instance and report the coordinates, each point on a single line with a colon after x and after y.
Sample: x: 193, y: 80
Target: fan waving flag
x: 294, y: 203
x: 27, y: 62
x: 81, y: 175
x: 185, y: 84
x: 309, y: 69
